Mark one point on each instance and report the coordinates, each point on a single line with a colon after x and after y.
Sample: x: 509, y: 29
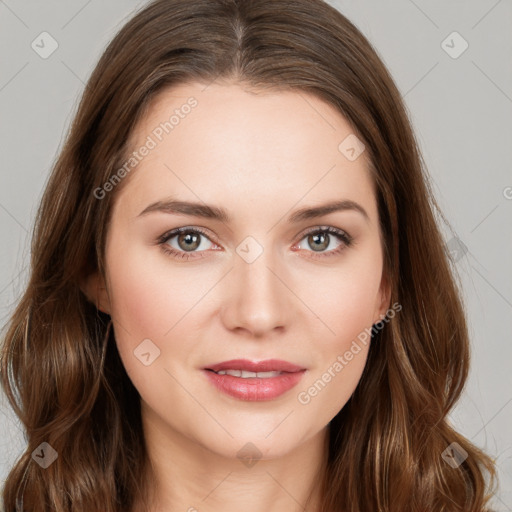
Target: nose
x: 257, y: 297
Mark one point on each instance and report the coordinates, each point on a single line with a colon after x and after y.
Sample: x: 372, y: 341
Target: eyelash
x: 343, y: 236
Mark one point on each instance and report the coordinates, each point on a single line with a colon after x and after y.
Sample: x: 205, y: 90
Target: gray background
x: 460, y: 108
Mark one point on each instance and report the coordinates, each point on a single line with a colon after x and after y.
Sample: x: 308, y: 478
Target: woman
x: 239, y: 295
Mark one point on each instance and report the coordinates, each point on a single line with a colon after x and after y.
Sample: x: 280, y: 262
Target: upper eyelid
x: 176, y: 231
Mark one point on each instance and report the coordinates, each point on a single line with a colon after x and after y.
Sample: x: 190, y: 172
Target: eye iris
x: 316, y: 237
x: 191, y: 240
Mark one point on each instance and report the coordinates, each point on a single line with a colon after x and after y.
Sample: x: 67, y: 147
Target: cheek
x: 349, y: 317
x: 346, y: 307
x: 149, y: 300
x: 342, y: 351
x: 345, y: 302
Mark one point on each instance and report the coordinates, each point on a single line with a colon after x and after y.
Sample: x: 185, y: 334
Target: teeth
x: 249, y: 375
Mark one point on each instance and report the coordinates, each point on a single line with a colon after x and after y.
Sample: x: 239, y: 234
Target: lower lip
x: 255, y: 389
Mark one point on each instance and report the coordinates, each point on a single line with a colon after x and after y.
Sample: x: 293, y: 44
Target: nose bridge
x: 256, y: 275
x: 258, y: 301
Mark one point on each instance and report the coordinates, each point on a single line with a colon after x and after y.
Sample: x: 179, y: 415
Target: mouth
x: 254, y: 381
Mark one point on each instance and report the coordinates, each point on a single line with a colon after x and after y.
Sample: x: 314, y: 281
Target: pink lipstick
x: 254, y: 381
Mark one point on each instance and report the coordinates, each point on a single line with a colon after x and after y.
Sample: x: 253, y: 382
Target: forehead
x: 244, y: 146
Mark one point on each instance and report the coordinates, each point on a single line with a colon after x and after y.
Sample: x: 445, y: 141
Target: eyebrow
x: 202, y: 210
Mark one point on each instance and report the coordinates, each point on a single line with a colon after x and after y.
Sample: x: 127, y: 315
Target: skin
x: 260, y: 156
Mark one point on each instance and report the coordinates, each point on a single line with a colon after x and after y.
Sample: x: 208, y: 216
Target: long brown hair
x: 60, y: 367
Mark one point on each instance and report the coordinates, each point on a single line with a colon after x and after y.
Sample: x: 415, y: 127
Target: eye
x: 320, y: 239
x: 187, y: 241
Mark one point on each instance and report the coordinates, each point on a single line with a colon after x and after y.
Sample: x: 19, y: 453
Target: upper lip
x: 268, y: 365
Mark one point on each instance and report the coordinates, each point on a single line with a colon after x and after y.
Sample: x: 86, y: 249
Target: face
x: 265, y: 280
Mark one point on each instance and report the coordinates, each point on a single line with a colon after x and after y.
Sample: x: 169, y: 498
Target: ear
x: 383, y: 299
x: 93, y: 287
